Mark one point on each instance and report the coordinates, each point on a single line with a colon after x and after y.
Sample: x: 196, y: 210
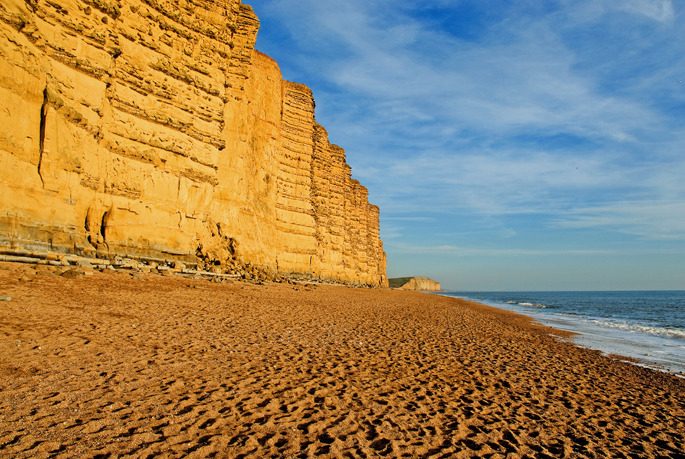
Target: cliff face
x: 423, y: 284
x: 152, y: 128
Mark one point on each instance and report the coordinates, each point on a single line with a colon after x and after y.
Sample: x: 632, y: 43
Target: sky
x: 510, y: 145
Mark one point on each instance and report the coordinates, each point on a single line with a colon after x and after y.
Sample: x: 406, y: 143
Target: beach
x: 120, y: 364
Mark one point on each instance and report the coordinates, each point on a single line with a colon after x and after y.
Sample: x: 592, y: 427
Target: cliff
x: 153, y: 129
x: 423, y: 284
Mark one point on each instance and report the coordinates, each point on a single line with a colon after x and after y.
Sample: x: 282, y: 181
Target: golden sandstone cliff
x: 152, y: 129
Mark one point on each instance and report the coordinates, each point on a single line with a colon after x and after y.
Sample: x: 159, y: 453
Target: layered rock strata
x: 152, y: 129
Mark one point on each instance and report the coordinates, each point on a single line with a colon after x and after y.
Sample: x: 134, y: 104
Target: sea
x: 648, y: 326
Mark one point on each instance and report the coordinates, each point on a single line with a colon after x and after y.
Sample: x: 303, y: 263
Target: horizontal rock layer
x: 152, y: 128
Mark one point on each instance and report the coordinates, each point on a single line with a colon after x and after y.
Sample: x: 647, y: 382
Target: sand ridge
x: 111, y: 366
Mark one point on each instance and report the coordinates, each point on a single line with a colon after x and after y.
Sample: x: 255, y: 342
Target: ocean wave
x: 534, y: 305
x: 527, y: 304
x: 657, y: 331
x: 573, y: 314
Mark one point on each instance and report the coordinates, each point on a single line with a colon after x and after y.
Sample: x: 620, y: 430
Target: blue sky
x: 527, y: 145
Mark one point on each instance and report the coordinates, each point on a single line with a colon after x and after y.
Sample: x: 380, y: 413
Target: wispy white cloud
x: 565, y: 191
x: 658, y: 10
x: 649, y: 220
x: 522, y: 74
x: 526, y: 81
x: 504, y: 182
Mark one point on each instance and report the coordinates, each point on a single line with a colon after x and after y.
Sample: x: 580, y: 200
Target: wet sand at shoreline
x: 109, y: 365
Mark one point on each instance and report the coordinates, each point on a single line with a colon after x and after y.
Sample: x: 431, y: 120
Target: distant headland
x: 423, y: 284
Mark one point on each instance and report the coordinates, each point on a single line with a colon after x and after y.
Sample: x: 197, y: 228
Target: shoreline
x: 639, y: 348
x: 111, y: 364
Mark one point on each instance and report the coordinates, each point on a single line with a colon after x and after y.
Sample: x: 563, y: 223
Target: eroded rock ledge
x: 153, y: 129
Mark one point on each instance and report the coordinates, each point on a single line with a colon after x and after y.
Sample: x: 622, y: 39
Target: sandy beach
x: 111, y: 365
